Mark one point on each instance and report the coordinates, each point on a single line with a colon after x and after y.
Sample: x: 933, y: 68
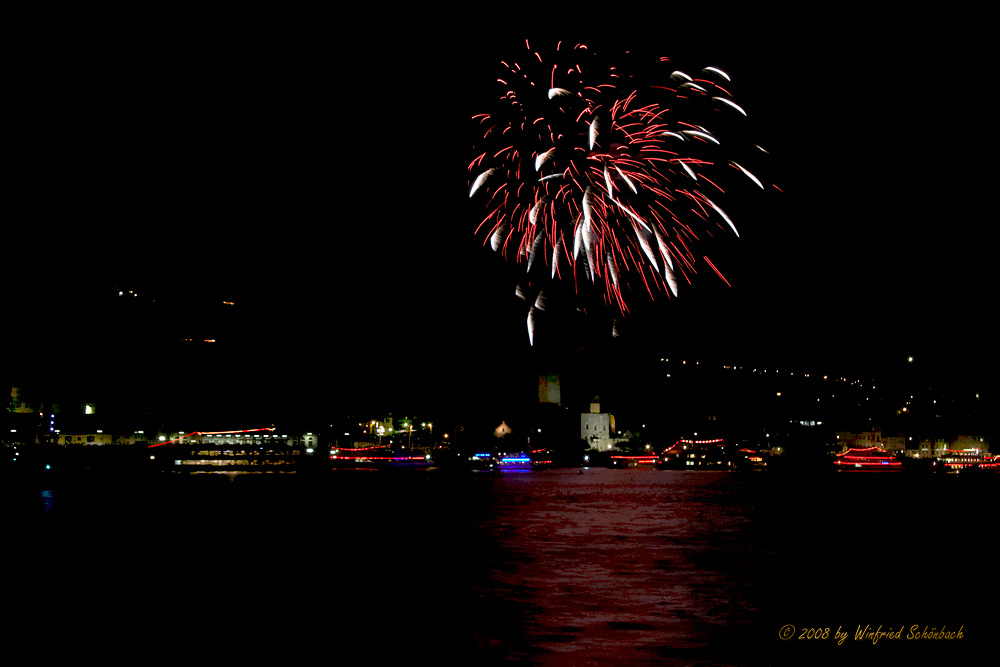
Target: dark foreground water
x: 603, y: 567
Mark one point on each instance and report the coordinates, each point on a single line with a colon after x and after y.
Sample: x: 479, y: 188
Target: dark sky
x: 312, y: 170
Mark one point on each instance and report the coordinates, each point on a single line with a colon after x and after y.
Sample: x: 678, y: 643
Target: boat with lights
x: 688, y: 454
x: 967, y: 460
x: 256, y: 450
x: 482, y: 462
x: 867, y: 459
x: 515, y: 462
x: 377, y: 458
x: 749, y: 459
x: 650, y: 461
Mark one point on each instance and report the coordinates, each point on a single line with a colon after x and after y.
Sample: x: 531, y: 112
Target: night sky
x: 312, y: 171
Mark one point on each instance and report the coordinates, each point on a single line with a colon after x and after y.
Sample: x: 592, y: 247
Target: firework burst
x: 606, y: 177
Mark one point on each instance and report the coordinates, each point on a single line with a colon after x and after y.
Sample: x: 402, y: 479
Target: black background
x: 313, y: 170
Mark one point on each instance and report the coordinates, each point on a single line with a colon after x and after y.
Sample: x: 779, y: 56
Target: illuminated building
x: 17, y: 403
x: 377, y: 432
x: 870, y: 439
x: 597, y: 427
x: 97, y: 438
x: 927, y: 449
x: 549, y: 390
x: 380, y: 428
x: 970, y: 442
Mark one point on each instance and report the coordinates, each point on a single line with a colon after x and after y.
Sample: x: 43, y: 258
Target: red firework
x: 606, y: 176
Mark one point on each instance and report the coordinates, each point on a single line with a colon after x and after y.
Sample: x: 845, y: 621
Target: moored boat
x: 650, y: 461
x: 867, y: 459
x: 378, y: 458
x: 515, y: 462
x: 968, y: 459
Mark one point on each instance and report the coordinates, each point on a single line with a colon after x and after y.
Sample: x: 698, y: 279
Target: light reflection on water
x: 620, y: 566
x: 552, y: 568
x: 637, y: 567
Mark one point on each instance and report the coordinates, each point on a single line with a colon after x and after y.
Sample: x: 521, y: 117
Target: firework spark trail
x: 598, y: 173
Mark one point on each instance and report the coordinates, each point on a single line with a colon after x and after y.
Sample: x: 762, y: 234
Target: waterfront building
x: 597, y: 428
x: 97, y: 438
x: 502, y: 431
x: 18, y: 404
x: 870, y: 439
x: 549, y: 389
x: 971, y: 443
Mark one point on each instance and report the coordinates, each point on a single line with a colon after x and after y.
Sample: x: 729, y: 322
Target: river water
x: 559, y: 567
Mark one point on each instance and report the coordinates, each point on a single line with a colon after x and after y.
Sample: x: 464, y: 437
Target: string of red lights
x: 194, y: 433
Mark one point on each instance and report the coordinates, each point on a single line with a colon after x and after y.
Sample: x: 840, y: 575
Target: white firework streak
x: 497, y: 240
x: 533, y: 213
x: 536, y: 247
x: 480, y: 180
x: 626, y: 179
x: 671, y: 280
x: 732, y: 104
x: 543, y: 158
x: 720, y: 212
x: 717, y: 71
x: 703, y: 135
x: 540, y: 301
x: 587, y: 211
x: 749, y: 175
x: 634, y: 216
x: 644, y: 243
x: 664, y: 249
